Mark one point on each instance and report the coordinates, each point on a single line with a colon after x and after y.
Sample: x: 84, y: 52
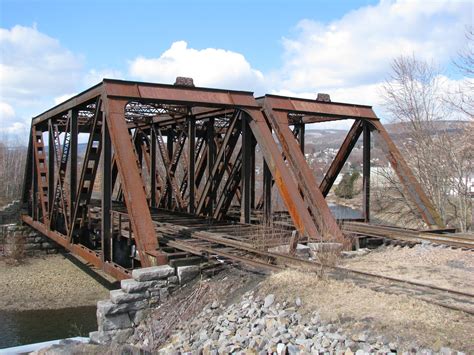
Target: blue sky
x: 108, y: 33
x: 51, y: 50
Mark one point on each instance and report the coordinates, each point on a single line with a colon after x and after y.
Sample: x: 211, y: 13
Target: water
x: 26, y: 327
x: 343, y: 212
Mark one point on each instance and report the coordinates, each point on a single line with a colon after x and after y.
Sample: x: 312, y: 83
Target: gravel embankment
x: 264, y: 326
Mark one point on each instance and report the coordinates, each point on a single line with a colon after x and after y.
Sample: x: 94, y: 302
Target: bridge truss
x: 153, y: 149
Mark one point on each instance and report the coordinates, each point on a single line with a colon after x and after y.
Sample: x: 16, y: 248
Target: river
x: 26, y: 327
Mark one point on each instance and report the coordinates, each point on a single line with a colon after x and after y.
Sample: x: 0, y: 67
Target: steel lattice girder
x: 126, y: 121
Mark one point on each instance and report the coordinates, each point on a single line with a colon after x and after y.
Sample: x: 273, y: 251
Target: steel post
x: 245, y: 204
x: 73, y: 167
x: 153, y: 171
x: 191, y: 164
x: 366, y: 172
x: 106, y: 224
x: 50, y: 165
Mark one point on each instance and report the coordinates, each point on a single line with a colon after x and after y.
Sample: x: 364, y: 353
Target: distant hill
x: 320, y: 139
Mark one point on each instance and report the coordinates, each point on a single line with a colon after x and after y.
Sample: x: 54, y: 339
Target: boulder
x: 301, y: 250
x: 269, y: 300
x: 187, y: 273
x: 152, y: 273
x: 133, y: 286
x: 107, y: 307
x: 118, y: 296
x: 113, y: 322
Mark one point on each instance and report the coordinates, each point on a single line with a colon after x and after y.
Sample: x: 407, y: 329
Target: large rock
x: 269, y: 300
x: 187, y: 273
x: 133, y: 286
x: 107, y: 307
x: 301, y: 250
x: 152, y: 273
x: 113, y: 322
x: 118, y: 296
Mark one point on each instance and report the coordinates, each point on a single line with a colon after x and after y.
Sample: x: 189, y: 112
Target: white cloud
x: 209, y: 67
x: 94, y: 76
x: 11, y: 126
x: 34, y: 68
x: 348, y: 58
x: 6, y: 111
x: 356, y: 49
x: 34, y: 64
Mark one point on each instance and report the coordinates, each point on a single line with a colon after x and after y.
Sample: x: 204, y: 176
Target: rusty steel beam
x: 41, y: 173
x: 366, y: 173
x: 170, y: 93
x: 284, y: 180
x: 322, y: 215
x: 318, y: 109
x: 88, y: 172
x: 85, y: 253
x: 134, y: 191
x: 216, y: 171
x: 423, y: 204
x: 260, y: 204
x: 341, y: 157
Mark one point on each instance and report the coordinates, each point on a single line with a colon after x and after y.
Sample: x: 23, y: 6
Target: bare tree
x: 12, y: 163
x: 415, y: 98
x: 462, y: 99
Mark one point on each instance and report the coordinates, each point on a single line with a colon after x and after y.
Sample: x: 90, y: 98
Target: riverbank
x: 49, y: 282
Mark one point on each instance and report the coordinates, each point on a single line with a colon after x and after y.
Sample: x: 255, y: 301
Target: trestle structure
x: 121, y: 154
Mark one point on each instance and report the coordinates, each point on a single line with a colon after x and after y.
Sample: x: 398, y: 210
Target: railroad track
x: 456, y: 240
x: 235, y: 243
x: 224, y: 247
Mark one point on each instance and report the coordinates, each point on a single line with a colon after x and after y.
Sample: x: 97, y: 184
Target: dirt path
x: 51, y: 282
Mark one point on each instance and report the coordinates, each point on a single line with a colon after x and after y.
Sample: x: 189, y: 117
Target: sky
x: 52, y: 50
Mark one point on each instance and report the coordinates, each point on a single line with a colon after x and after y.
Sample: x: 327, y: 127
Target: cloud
x: 34, y: 68
x: 357, y: 49
x: 6, y: 111
x: 348, y: 57
x: 11, y: 126
x: 208, y: 67
x: 34, y: 64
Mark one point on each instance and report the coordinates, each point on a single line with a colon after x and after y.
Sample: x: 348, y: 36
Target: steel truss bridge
x: 174, y: 170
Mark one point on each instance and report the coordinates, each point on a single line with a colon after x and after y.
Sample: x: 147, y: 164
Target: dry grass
x: 449, y: 268
x: 405, y: 320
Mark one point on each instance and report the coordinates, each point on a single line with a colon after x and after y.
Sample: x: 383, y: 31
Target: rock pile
x: 127, y: 307
x: 20, y: 241
x: 10, y: 213
x: 263, y: 326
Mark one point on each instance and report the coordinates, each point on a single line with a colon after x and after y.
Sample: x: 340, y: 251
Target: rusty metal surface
x: 322, y: 216
x: 319, y: 109
x: 87, y: 254
x: 341, y: 157
x: 283, y: 179
x: 134, y: 192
